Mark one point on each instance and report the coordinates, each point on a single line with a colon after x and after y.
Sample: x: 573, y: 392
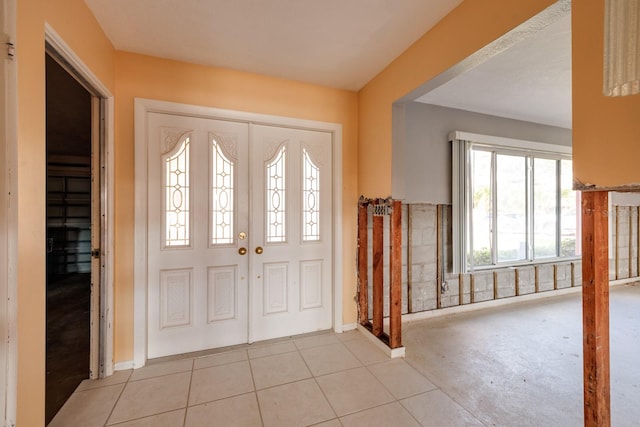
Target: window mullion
x: 494, y: 209
x: 558, y: 207
x: 529, y: 209
x: 469, y: 207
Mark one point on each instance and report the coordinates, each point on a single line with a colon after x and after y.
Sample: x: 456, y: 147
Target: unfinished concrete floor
x: 521, y: 365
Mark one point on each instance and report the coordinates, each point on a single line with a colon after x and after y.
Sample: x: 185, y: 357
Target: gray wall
x: 421, y: 164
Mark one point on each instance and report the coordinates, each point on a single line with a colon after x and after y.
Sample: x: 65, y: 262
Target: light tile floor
x: 324, y: 380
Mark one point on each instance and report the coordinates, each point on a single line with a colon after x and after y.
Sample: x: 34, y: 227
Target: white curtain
x: 622, y: 47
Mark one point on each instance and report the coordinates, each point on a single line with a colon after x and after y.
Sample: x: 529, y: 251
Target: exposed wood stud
x: 378, y: 273
x: 472, y: 290
x: 517, y: 282
x: 495, y: 285
x: 460, y: 289
x: 395, y: 267
x: 595, y: 309
x: 537, y: 282
x: 573, y: 274
x: 409, y: 258
x: 555, y: 277
x: 363, y: 269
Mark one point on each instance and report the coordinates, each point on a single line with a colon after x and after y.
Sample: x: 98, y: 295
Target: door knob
x: 259, y: 250
x: 242, y: 251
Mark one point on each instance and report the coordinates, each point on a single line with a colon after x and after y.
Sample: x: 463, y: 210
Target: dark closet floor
x: 68, y: 338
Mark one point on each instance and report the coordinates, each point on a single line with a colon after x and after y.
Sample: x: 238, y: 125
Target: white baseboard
x: 349, y: 327
x: 391, y: 352
x: 123, y: 366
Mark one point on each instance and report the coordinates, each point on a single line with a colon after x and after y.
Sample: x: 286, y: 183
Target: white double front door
x: 239, y: 233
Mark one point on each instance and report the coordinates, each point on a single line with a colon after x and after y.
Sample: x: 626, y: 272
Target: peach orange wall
x: 72, y: 20
x: 469, y: 27
x: 606, y: 131
x: 165, y: 80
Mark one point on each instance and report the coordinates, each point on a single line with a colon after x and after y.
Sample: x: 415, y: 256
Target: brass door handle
x: 259, y: 250
x: 242, y: 251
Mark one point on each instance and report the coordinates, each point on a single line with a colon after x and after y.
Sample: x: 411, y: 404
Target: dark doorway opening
x: 68, y: 329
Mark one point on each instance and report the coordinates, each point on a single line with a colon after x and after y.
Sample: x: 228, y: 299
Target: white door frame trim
x: 9, y: 223
x: 145, y: 106
x: 106, y: 292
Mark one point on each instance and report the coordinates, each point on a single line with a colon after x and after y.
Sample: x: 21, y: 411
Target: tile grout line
x: 313, y: 376
x: 186, y: 407
x: 255, y: 390
x: 117, y: 400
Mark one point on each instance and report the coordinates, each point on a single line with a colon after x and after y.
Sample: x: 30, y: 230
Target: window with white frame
x: 513, y: 202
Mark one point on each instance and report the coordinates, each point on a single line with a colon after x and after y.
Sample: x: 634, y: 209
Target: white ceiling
x: 335, y: 43
x: 344, y: 44
x: 530, y: 81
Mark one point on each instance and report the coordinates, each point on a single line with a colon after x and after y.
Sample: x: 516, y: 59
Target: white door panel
x: 291, y: 278
x: 197, y: 207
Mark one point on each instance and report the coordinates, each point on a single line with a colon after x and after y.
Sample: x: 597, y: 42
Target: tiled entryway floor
x: 327, y: 379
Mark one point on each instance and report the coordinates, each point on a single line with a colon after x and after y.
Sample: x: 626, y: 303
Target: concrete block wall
x: 422, y: 255
x: 506, y: 280
x: 526, y: 280
x: 421, y: 290
x: 482, y: 286
x: 545, y: 277
x: 624, y: 237
x: 563, y: 276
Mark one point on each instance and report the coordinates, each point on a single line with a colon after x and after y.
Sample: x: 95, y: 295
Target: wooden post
x: 363, y: 268
x: 395, y: 267
x: 378, y: 271
x: 595, y: 309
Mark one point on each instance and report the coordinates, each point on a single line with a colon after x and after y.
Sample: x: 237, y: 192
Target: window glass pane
x: 569, y: 202
x: 176, y: 195
x: 482, y: 208
x: 544, y: 208
x: 511, y: 206
x: 311, y: 199
x: 222, y: 192
x: 276, y: 202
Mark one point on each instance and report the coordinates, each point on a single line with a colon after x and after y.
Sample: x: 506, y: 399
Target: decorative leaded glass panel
x: 222, y: 196
x: 276, y: 201
x: 176, y: 195
x: 310, y: 199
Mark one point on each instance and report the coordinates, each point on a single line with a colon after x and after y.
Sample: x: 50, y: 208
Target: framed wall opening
x: 80, y: 197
